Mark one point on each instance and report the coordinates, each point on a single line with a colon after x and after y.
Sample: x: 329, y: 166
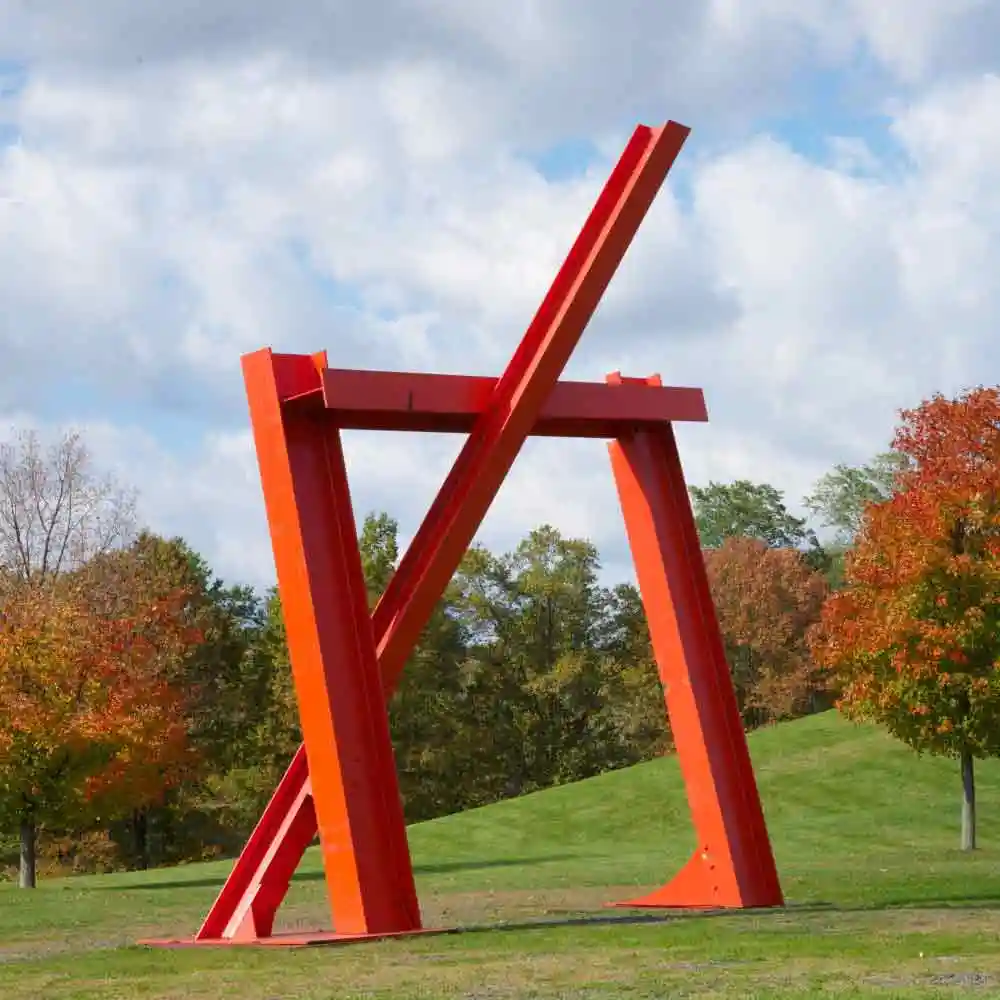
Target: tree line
x: 147, y: 707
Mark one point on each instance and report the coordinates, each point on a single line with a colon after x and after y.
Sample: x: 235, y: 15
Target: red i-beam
x: 342, y: 781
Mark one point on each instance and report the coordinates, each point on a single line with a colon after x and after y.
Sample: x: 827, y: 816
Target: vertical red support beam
x: 355, y: 793
x: 733, y: 865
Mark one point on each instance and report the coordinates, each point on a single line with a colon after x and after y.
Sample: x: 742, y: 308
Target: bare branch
x: 56, y: 512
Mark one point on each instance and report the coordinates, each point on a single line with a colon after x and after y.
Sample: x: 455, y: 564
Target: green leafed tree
x: 561, y: 683
x: 632, y: 703
x: 840, y: 497
x: 379, y: 544
x: 743, y: 509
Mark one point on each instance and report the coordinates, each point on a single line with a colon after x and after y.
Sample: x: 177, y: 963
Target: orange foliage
x: 89, y: 723
x: 766, y: 599
x: 913, y: 640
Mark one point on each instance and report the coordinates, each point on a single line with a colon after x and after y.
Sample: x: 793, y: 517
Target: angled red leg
x: 733, y: 865
x: 251, y: 896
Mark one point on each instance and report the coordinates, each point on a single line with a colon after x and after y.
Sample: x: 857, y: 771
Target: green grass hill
x: 881, y: 901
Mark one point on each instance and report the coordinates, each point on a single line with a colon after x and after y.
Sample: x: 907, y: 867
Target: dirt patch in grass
x: 892, y: 921
x: 955, y: 920
x: 962, y: 980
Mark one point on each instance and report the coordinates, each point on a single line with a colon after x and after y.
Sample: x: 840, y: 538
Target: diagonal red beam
x: 519, y: 395
x: 451, y: 404
x: 254, y: 890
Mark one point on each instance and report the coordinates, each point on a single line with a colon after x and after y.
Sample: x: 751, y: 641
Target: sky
x: 398, y: 181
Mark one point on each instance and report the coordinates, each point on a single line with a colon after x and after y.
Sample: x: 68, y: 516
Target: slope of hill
x: 865, y: 834
x: 837, y: 797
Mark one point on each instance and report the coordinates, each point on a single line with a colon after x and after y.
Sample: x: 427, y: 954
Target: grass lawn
x: 881, y: 902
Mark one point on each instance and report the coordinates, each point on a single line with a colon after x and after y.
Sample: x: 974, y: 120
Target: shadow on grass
x: 445, y: 868
x: 988, y: 899
x: 635, y: 918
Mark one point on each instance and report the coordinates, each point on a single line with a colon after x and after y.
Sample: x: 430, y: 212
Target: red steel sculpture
x: 346, y: 662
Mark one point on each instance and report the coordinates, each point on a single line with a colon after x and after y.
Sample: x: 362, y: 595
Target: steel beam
x: 451, y: 404
x: 733, y: 865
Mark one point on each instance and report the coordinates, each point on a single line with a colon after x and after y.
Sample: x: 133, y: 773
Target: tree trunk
x: 140, y: 837
x: 26, y: 875
x: 968, y: 802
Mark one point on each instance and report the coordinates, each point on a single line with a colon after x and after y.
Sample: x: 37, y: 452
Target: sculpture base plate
x: 288, y: 939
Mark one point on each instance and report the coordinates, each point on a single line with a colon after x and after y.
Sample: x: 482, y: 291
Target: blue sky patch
x: 836, y: 105
x: 565, y: 160
x: 13, y: 78
x: 80, y: 401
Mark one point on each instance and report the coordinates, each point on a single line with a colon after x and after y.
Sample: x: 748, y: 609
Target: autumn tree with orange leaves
x: 90, y: 718
x: 87, y: 717
x: 765, y: 599
x: 913, y: 640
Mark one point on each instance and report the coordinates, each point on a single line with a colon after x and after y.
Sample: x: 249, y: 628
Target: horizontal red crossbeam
x: 451, y: 404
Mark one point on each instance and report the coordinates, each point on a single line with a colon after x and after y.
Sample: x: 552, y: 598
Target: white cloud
x: 229, y: 177
x: 916, y: 39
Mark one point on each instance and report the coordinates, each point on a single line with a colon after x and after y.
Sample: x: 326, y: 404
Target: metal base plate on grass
x: 289, y: 939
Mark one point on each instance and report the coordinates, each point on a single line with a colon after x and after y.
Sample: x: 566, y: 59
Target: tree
x: 379, y: 545
x: 913, y: 640
x: 226, y: 688
x: 533, y: 682
x: 257, y: 730
x: 743, y: 509
x: 87, y: 718
x: 560, y: 682
x: 429, y: 720
x: 766, y: 599
x: 556, y: 607
x: 226, y: 685
x: 56, y: 513
x: 632, y: 700
x: 840, y: 497
x: 279, y: 732
x: 425, y: 711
